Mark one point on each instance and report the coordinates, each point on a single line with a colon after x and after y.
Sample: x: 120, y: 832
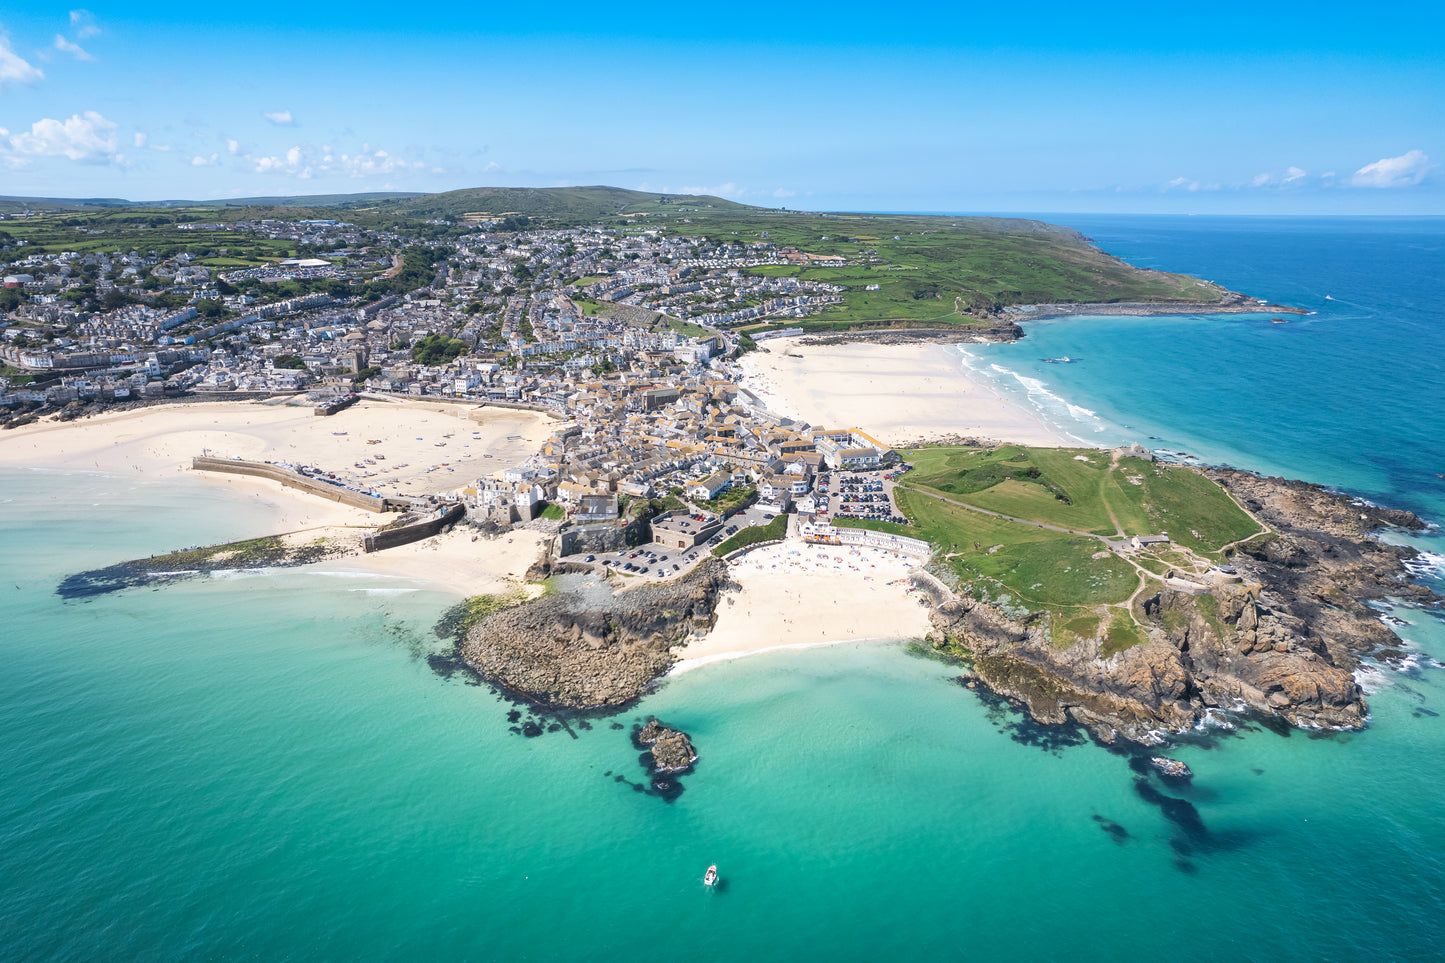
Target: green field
x: 1069, y: 576
x: 934, y: 270
x: 145, y: 230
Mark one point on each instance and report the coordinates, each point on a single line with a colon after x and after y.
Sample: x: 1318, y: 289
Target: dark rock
x: 555, y: 652
x: 1283, y: 643
x: 672, y: 750
x: 1172, y: 768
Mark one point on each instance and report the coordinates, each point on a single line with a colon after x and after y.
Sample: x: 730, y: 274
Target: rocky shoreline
x: 1004, y: 325
x: 564, y: 653
x: 1284, y: 642
x: 272, y: 551
x: 1231, y: 303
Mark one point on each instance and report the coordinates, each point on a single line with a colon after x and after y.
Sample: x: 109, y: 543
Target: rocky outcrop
x: 558, y: 652
x: 1232, y: 302
x: 672, y: 750
x: 272, y: 551
x: 1316, y: 574
x: 1283, y: 642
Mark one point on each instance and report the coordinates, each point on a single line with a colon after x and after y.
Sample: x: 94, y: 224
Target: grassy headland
x: 1045, y: 531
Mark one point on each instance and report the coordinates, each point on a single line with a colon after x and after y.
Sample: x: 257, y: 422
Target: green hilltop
x: 1045, y: 531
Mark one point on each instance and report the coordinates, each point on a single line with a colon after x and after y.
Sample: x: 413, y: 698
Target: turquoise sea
x: 266, y: 765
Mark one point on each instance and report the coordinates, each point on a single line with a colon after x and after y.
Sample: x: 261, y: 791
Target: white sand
x: 796, y: 595
x: 457, y: 562
x: 161, y: 440
x: 164, y: 438
x: 899, y: 393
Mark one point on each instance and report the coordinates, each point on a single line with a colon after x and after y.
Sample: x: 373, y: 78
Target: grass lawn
x: 1069, y: 576
x: 773, y: 530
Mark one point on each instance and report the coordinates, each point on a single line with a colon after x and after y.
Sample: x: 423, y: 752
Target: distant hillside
x: 892, y: 270
x: 559, y: 205
x: 37, y: 204
x: 62, y: 204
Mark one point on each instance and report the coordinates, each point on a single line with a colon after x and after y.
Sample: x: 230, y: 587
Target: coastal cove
x: 260, y: 763
x: 278, y: 746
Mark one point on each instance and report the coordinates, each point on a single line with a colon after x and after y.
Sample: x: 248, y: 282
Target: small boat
x: 1064, y: 360
x: 710, y: 877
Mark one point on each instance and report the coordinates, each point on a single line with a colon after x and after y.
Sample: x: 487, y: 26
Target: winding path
x: 1114, y: 545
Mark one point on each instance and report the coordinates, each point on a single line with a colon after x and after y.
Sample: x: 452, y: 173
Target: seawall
x: 293, y: 479
x: 406, y: 534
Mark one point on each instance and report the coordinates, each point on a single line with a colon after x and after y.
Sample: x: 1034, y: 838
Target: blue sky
x: 1219, y: 108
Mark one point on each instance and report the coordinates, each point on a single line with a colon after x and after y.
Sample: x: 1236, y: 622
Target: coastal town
x: 596, y: 435
x: 626, y: 341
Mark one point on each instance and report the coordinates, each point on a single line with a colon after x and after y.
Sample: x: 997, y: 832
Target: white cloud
x: 140, y: 140
x: 88, y: 138
x: 1185, y: 184
x: 1404, y: 171
x: 72, y: 48
x: 281, y: 118
x: 1291, y: 175
x: 293, y: 163
x: 14, y: 69
x: 368, y: 163
x: 233, y: 146
x: 84, y: 23
x: 211, y: 161
x: 781, y: 193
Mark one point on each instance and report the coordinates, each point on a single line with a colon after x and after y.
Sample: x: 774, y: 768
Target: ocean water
x: 265, y: 765
x: 1349, y: 395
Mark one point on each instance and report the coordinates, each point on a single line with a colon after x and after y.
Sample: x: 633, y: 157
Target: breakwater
x: 416, y: 531
x: 325, y: 488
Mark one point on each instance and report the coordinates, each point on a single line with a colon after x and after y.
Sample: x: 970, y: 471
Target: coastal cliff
x: 562, y: 652
x: 1283, y: 642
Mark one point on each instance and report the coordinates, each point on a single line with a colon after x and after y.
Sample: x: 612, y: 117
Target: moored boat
x: 710, y: 877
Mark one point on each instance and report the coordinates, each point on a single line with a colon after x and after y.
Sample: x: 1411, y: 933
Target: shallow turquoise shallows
x: 261, y: 767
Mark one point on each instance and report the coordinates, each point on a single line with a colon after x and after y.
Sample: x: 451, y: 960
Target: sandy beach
x: 899, y: 393
x: 458, y: 560
x: 160, y: 441
x: 796, y: 595
x: 414, y: 448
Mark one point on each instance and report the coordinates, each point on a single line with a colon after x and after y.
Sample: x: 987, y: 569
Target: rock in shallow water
x: 672, y: 750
